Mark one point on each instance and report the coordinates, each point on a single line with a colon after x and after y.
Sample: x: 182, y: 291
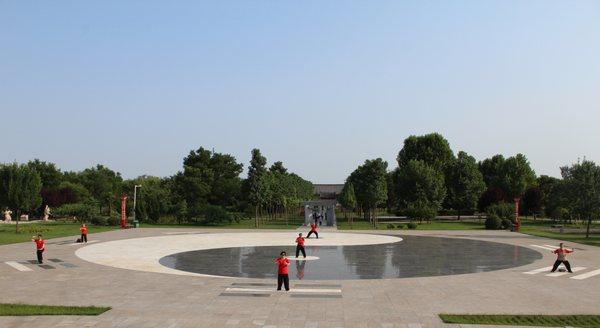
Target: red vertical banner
x: 123, y: 211
x: 517, y: 221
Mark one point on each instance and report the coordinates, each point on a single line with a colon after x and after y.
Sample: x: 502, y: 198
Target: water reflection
x: 413, y: 257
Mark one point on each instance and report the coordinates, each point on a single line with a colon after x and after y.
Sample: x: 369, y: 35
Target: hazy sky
x: 319, y: 85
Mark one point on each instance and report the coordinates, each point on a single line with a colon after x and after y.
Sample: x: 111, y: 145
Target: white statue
x: 7, y: 217
x: 46, y: 213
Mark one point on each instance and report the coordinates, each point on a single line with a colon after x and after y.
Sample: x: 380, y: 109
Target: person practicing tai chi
x: 282, y: 271
x: 40, y: 246
x: 561, y: 253
x: 313, y: 229
x: 83, y: 230
x: 300, y: 246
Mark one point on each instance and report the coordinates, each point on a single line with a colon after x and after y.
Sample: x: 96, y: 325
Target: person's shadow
x: 300, y: 269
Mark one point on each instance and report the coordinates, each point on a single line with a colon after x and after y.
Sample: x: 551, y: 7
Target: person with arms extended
x: 300, y: 246
x: 313, y: 229
x: 282, y: 271
x: 561, y: 254
x: 40, y: 246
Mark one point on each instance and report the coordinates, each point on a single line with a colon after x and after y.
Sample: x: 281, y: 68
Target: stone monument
x: 46, y: 213
x: 7, y: 217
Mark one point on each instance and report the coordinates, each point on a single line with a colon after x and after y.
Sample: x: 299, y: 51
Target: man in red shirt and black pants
x: 40, y: 246
x: 300, y: 246
x: 282, y: 271
x: 313, y: 229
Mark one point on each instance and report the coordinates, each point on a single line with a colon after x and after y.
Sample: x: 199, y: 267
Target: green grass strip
x: 576, y: 320
x: 30, y: 310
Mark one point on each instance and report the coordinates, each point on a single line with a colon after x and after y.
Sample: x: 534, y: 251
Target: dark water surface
x: 412, y: 257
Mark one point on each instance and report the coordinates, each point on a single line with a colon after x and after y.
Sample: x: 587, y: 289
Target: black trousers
x: 84, y: 237
x: 558, y: 262
x: 300, y: 249
x: 40, y: 256
x: 310, y: 233
x: 283, y: 279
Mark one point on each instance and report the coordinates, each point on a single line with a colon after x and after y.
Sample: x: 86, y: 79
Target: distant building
x: 328, y: 191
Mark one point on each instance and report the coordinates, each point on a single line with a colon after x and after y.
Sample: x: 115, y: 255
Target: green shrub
x: 412, y: 225
x: 82, y: 211
x: 390, y: 226
x: 113, y: 220
x: 501, y: 210
x: 506, y: 223
x: 493, y: 222
x: 167, y: 219
x: 401, y: 226
x: 99, y: 220
x: 215, y: 215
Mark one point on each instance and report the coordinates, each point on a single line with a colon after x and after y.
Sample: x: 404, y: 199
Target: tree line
x: 430, y: 179
x: 209, y: 189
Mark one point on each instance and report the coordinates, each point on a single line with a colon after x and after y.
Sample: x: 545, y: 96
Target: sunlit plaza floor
x: 220, y: 278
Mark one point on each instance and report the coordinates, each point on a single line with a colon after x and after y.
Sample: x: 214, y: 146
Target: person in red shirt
x: 313, y: 229
x: 300, y: 246
x: 561, y: 254
x: 40, y: 246
x: 83, y: 230
x: 282, y: 271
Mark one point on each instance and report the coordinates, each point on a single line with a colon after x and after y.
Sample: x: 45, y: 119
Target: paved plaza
x: 223, y: 278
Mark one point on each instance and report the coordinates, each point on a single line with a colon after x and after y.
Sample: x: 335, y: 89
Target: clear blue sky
x: 320, y: 85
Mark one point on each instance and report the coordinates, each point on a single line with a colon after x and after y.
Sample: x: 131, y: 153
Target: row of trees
x: 430, y: 178
x: 208, y: 189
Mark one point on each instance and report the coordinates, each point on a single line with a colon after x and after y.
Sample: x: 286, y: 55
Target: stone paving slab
x: 145, y: 299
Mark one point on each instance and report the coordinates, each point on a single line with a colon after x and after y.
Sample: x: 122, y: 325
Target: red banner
x: 123, y: 211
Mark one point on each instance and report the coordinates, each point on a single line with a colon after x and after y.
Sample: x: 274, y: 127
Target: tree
x: 278, y: 167
x: 347, y: 198
x: 103, y: 183
x: 583, y: 180
x: 50, y: 175
x: 153, y: 198
x: 491, y: 170
x: 516, y: 176
x: 420, y: 189
x: 465, y: 183
x: 433, y: 149
x: 370, y: 186
x: 532, y: 200
x: 256, y: 181
x: 20, y: 187
x: 491, y: 196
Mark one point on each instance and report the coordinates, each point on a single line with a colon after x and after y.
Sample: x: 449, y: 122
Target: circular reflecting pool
x: 412, y: 257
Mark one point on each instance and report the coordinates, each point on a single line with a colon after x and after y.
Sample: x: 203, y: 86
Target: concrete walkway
x: 149, y: 299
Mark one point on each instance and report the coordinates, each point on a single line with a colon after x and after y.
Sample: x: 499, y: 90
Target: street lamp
x: 135, y: 198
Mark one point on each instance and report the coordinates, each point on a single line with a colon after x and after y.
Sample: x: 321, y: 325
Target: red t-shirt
x: 313, y: 227
x: 83, y: 230
x: 562, y: 253
x: 40, y: 244
x: 282, y: 264
x: 300, y: 241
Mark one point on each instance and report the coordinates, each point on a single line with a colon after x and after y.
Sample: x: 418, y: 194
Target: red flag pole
x: 123, y: 211
x: 517, y: 220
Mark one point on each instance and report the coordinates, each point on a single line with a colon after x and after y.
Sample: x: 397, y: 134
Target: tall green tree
x: 370, y: 186
x: 50, y: 175
x: 20, y: 187
x: 103, y: 183
x: 464, y: 183
x: 256, y: 182
x: 420, y: 190
x: 583, y: 181
x: 347, y: 198
x: 433, y: 149
x: 491, y: 169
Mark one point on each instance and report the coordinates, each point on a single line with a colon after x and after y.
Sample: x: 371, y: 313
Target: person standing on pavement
x: 40, y: 246
x: 313, y: 229
x: 84, y: 231
x: 561, y: 254
x: 282, y: 271
x: 300, y: 246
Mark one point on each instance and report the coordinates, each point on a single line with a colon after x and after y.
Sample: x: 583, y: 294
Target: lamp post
x: 135, y: 199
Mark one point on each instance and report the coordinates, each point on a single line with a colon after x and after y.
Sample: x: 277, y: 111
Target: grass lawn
x: 29, y: 310
x: 47, y: 229
x: 578, y: 237
x: 524, y: 320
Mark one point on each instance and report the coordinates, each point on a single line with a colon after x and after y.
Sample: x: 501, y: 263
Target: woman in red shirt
x: 40, y: 246
x: 282, y: 271
x: 300, y: 246
x: 83, y: 230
